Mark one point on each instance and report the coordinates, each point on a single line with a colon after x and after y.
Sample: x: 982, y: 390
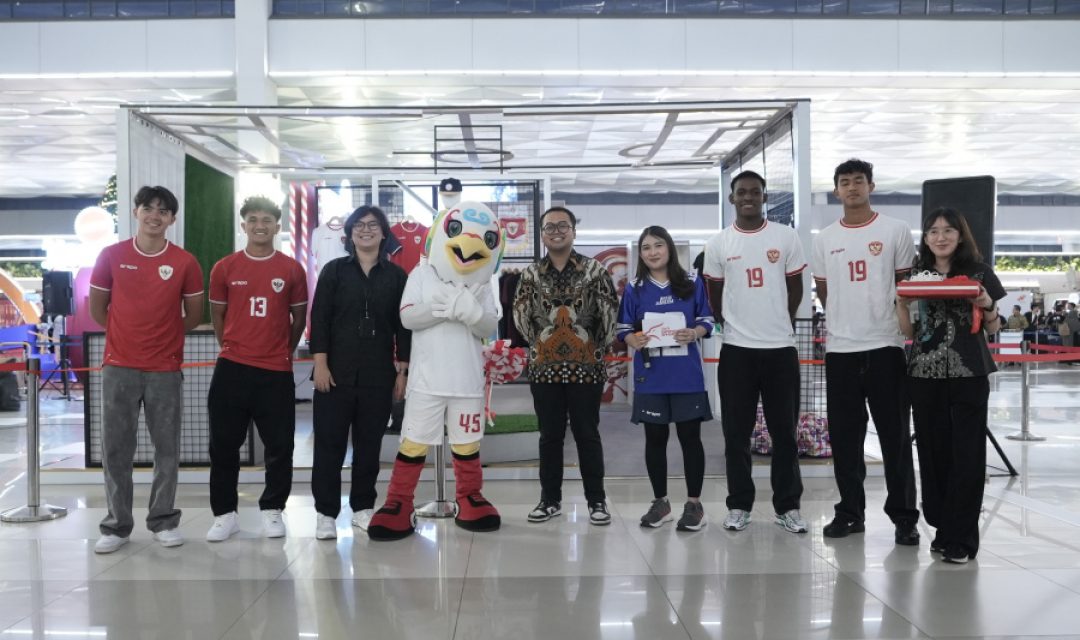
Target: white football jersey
x: 859, y: 265
x: 327, y: 243
x: 754, y: 266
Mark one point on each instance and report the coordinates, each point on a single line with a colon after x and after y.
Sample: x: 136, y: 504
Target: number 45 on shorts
x: 470, y: 422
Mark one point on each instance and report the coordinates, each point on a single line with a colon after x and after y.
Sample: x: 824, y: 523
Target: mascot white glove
x: 466, y: 308
x: 443, y: 301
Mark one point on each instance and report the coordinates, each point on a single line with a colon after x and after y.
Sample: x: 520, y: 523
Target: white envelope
x: 660, y: 328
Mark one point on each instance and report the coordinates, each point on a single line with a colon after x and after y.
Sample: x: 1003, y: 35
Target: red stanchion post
x: 34, y: 511
x: 1025, y: 434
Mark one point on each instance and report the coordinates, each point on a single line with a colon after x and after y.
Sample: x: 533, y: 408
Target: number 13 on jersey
x: 258, y: 306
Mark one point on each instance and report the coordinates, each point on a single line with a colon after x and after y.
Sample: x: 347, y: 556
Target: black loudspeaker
x: 975, y: 197
x: 56, y: 293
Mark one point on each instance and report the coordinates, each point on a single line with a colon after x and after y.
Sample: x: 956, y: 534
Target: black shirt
x: 944, y: 346
x: 356, y: 321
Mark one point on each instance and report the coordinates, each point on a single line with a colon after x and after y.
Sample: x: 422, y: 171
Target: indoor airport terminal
x: 560, y: 319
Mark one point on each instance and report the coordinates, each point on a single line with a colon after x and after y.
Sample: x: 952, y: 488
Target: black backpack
x: 9, y: 392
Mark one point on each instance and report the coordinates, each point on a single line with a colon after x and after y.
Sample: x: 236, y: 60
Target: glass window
x: 641, y: 6
x: 208, y: 8
x: 443, y: 6
x: 769, y: 6
x: 874, y: 7
x: 77, y: 9
x: 978, y: 7
x: 103, y: 9
x: 38, y: 10
x: 696, y: 6
x: 337, y: 7
x: 181, y: 8
x: 5, y: 9
x: 1042, y: 7
x: 729, y: 6
x: 284, y: 7
x: 416, y: 6
x: 228, y: 8
x: 939, y: 7
x: 1016, y: 7
x: 520, y: 6
x: 310, y: 7
x: 913, y: 7
x: 1068, y: 7
x: 834, y: 7
x: 809, y: 7
x: 144, y: 9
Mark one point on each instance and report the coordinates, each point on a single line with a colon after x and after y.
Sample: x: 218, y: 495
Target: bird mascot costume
x: 449, y: 306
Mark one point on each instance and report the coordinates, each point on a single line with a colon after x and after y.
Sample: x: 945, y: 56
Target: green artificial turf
x: 513, y: 423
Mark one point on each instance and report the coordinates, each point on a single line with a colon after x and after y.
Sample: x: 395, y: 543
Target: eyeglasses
x: 367, y: 226
x: 551, y: 227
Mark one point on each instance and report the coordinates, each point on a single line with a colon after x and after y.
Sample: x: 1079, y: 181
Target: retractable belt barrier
x: 33, y: 511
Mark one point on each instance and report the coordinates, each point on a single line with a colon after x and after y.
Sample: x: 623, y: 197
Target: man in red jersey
x: 258, y: 302
x: 147, y: 293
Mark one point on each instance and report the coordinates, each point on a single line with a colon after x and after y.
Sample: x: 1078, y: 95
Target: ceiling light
x: 63, y: 112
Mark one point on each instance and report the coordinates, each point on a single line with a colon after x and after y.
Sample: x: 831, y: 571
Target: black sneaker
x: 841, y: 527
x: 907, y: 534
x: 937, y: 546
x: 956, y: 554
x: 598, y: 514
x: 545, y: 510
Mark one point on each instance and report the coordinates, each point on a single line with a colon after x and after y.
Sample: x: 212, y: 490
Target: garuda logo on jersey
x: 278, y: 284
x: 875, y: 248
x: 165, y: 271
x: 773, y: 255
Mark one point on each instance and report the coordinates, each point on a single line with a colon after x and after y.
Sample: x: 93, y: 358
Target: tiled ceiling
x: 1025, y: 131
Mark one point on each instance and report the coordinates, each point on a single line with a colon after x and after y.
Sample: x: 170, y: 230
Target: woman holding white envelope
x: 664, y: 312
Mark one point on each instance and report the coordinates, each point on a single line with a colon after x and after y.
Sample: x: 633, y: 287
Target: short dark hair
x: 1016, y: 307
x: 748, y: 174
x: 260, y: 203
x: 853, y: 165
x: 560, y: 209
x: 388, y: 240
x: 147, y: 195
x: 967, y: 252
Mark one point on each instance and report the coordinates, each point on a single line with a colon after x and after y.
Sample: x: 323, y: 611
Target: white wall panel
x: 845, y: 45
x: 1042, y: 45
x: 78, y: 47
x: 418, y: 44
x: 741, y: 45
x: 525, y: 44
x: 19, y: 46
x: 190, y: 45
x: 632, y: 44
x: 303, y: 45
x: 953, y: 45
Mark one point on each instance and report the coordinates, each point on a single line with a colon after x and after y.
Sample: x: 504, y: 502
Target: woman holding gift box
x: 948, y: 372
x: 668, y: 382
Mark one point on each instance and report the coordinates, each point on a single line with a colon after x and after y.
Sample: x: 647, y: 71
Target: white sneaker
x: 224, y: 526
x: 325, y: 527
x: 737, y: 520
x: 109, y: 543
x: 362, y: 518
x: 169, y: 538
x: 273, y: 524
x: 791, y: 521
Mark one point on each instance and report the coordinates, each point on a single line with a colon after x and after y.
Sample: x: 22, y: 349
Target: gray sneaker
x: 693, y: 517
x: 791, y: 521
x: 737, y: 520
x: 658, y: 514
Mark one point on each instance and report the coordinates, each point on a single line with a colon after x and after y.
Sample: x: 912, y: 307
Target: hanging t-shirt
x: 260, y: 294
x: 754, y: 266
x: 410, y: 235
x: 859, y: 265
x: 328, y: 243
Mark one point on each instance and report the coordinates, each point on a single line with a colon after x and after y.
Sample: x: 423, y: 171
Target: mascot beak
x: 467, y: 252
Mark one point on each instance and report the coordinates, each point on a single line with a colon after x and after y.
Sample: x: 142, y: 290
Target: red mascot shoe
x: 396, y: 519
x: 475, y: 513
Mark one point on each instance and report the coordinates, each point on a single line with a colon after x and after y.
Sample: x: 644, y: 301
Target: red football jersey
x: 145, y: 327
x: 259, y: 294
x: 411, y: 236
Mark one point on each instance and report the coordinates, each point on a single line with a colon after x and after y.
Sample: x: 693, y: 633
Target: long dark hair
x: 967, y: 253
x: 681, y: 285
x: 388, y: 243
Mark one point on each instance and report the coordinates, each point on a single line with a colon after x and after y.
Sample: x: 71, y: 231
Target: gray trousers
x: 124, y: 390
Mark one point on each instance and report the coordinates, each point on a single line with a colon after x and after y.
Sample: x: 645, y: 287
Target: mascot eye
x: 491, y: 239
x: 453, y: 228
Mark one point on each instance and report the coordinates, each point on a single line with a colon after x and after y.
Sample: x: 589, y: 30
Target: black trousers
x: 240, y: 394
x: 554, y: 404
x: 367, y: 411
x: 744, y: 375
x: 950, y: 425
x: 854, y: 380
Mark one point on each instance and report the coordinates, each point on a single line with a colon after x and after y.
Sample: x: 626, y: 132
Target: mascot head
x: 465, y: 243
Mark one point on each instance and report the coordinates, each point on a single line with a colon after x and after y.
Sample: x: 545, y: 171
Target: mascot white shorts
x: 426, y: 414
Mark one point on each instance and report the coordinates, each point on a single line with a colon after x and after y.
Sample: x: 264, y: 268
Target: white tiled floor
x: 565, y: 578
